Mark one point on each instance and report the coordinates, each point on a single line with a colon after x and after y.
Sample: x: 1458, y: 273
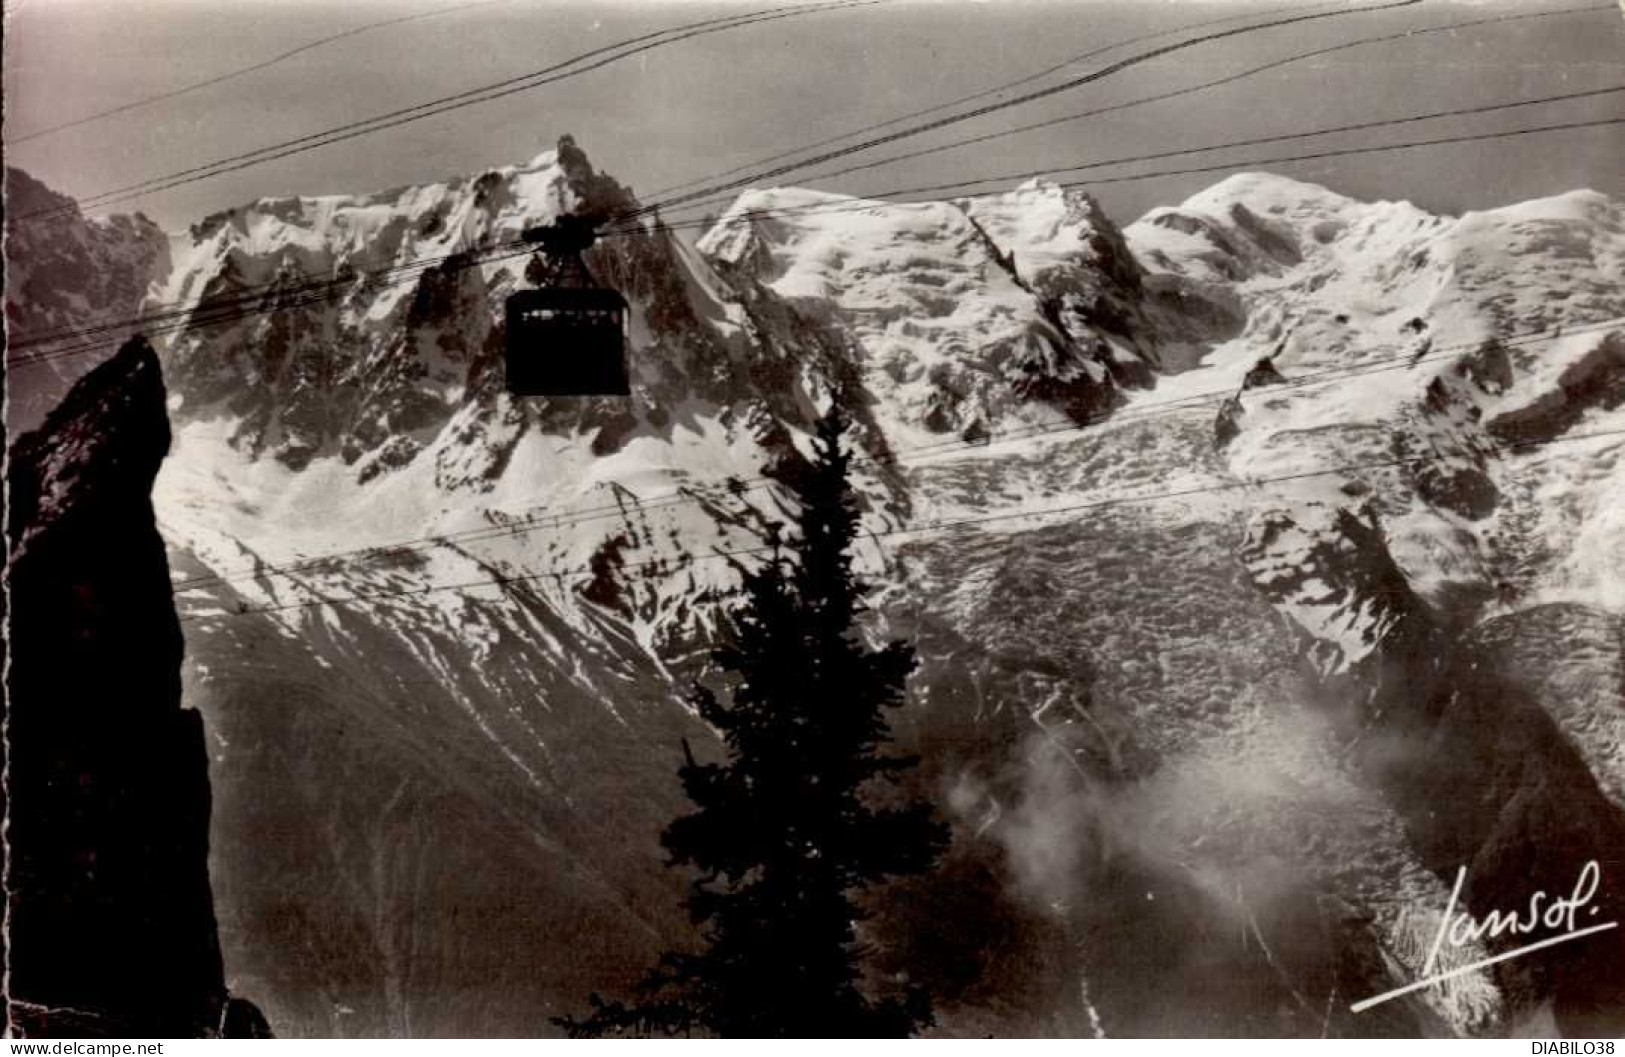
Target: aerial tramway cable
x: 267, y: 298
x: 244, y: 71
x: 1020, y: 100
x: 883, y: 198
x: 962, y: 100
x: 221, y: 311
x: 1204, y: 86
x: 567, y: 314
x: 602, y: 57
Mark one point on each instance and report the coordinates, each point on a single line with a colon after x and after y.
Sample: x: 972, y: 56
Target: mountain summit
x: 1220, y: 537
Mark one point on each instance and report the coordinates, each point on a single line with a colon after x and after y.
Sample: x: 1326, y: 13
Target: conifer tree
x: 804, y: 813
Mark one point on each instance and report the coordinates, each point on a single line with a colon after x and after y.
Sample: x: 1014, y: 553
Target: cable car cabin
x: 567, y: 342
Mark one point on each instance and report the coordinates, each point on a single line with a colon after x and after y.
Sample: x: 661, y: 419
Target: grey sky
x: 716, y: 101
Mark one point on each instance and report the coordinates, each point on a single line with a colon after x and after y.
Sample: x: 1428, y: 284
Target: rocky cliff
x: 66, y: 272
x: 109, y: 914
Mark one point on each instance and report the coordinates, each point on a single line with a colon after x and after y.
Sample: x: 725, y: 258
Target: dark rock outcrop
x: 110, y: 916
x: 1261, y: 374
x: 1227, y: 424
x: 1444, y: 459
x: 1595, y: 380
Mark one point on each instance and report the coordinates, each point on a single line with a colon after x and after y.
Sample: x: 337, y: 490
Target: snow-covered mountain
x: 67, y: 273
x: 966, y: 316
x: 1225, y: 539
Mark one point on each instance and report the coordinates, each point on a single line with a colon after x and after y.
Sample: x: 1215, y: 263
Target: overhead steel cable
x: 29, y: 340
x: 265, y: 64
x: 342, y: 133
x: 529, y: 81
x: 663, y: 565
x: 1441, y: 141
x: 1019, y: 100
x: 962, y: 100
x: 1132, y: 415
x: 278, y: 305
x: 1176, y: 93
x: 267, y: 299
x: 251, y: 295
x: 1358, y: 126
x: 254, y: 300
x: 862, y: 205
x: 521, y: 82
x: 26, y: 341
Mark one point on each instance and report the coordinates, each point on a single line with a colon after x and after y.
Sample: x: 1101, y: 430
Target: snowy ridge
x: 66, y: 272
x: 1327, y: 275
x: 971, y: 317
x: 390, y: 568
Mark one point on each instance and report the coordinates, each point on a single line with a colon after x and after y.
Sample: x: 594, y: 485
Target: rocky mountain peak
x: 368, y: 353
x: 66, y: 271
x: 971, y: 315
x: 101, y: 447
x: 111, y: 925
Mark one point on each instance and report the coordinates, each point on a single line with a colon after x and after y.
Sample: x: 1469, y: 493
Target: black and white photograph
x: 809, y: 519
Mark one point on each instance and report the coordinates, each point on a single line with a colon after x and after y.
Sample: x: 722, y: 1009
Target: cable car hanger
x: 566, y: 337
